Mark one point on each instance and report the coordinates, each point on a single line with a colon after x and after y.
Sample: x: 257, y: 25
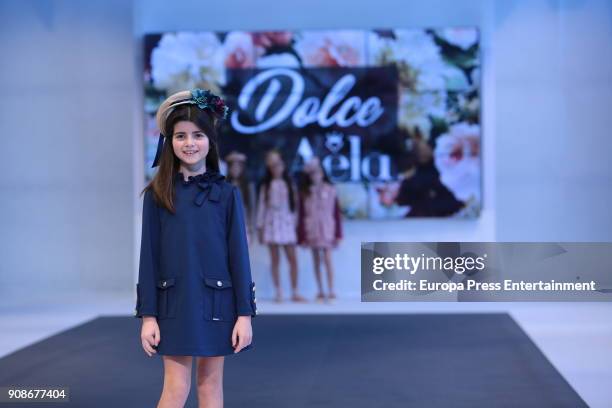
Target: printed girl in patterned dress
x: 276, y: 220
x: 319, y: 222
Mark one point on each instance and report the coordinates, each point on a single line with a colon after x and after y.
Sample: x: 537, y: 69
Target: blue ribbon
x: 160, y: 144
x: 210, y: 186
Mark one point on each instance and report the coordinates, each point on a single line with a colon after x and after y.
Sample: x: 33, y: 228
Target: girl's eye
x: 200, y: 135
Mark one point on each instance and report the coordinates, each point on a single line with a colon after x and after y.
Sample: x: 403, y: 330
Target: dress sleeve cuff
x: 253, y: 303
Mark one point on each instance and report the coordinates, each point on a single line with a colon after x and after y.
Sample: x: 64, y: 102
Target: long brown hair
x: 162, y: 183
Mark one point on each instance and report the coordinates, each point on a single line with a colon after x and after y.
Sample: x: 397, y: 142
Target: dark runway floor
x: 420, y: 360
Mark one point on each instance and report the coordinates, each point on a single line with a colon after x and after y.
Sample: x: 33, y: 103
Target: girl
x: 195, y: 294
x: 276, y: 220
x: 319, y: 222
x: 237, y: 175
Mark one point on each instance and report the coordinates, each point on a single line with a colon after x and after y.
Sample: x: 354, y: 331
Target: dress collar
x: 208, y: 183
x: 207, y: 176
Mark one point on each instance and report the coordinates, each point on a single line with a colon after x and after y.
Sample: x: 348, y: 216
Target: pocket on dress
x: 166, y: 298
x: 219, y: 302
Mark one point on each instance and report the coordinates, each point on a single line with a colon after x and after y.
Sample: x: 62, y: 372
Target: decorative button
x: 164, y: 283
x: 255, y: 300
x: 253, y: 288
x: 219, y: 283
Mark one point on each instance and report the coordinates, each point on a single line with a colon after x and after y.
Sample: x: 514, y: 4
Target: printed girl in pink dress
x: 276, y: 220
x: 319, y: 222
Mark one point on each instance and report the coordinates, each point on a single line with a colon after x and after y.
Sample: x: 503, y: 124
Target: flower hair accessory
x: 205, y: 99
x: 202, y: 98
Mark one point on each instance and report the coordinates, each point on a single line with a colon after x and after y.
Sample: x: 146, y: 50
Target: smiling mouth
x: 191, y: 153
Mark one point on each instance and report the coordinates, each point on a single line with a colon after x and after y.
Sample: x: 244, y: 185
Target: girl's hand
x: 149, y: 334
x: 242, y: 333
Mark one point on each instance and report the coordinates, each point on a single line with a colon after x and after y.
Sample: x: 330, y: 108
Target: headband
x: 203, y: 98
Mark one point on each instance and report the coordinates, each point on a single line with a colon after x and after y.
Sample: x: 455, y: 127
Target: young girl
x: 276, y: 220
x: 195, y: 294
x: 319, y: 222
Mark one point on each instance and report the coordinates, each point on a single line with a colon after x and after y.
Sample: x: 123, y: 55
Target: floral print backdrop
x: 424, y: 162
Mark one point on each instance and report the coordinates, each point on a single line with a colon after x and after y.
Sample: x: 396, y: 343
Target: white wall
x: 66, y: 182
x: 554, y: 119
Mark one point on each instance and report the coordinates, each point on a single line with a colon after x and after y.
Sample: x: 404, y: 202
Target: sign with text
x: 486, y: 271
x: 393, y: 115
x: 345, y: 116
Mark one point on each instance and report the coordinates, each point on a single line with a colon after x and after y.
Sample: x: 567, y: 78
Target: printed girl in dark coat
x: 195, y: 293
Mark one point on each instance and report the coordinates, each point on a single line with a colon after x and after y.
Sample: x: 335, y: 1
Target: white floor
x: 575, y: 337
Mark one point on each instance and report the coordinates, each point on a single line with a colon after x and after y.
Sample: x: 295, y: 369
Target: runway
x: 325, y: 360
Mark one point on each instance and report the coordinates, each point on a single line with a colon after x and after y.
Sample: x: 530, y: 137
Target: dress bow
x: 209, y: 186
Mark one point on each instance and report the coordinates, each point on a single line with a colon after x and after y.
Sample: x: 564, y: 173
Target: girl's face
x: 235, y: 169
x: 316, y: 176
x: 276, y: 165
x: 189, y: 142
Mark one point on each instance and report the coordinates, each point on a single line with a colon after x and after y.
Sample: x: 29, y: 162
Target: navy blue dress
x: 194, y: 273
